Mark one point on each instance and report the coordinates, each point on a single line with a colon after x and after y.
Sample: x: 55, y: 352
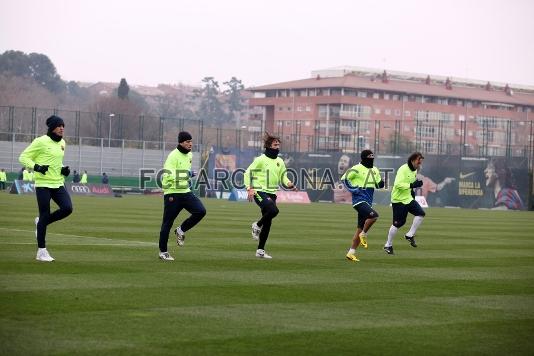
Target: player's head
x: 415, y: 161
x: 367, y: 158
x: 343, y: 164
x: 185, y: 141
x: 55, y: 125
x: 497, y: 170
x: 271, y: 141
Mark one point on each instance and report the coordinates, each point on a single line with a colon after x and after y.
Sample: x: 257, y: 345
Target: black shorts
x: 365, y: 211
x: 400, y: 212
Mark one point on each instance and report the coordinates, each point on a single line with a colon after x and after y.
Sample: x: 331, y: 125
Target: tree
x: 34, y: 65
x: 210, y: 108
x: 234, y: 99
x: 123, y: 90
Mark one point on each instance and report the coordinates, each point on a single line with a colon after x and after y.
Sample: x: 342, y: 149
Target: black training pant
x: 267, y: 204
x: 62, y: 198
x: 172, y: 205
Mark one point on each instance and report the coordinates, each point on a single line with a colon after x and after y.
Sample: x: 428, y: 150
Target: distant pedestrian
x: 83, y: 180
x: 105, y: 179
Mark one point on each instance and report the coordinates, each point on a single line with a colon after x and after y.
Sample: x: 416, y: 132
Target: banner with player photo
x: 493, y: 183
x: 454, y: 181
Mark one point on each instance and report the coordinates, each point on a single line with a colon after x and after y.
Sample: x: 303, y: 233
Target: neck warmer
x: 183, y: 150
x: 368, y: 162
x: 271, y: 153
x: 53, y: 136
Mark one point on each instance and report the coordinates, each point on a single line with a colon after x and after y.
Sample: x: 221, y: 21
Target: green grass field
x: 467, y: 289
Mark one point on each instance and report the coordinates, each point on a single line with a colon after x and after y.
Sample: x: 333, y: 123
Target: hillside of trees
x: 31, y: 80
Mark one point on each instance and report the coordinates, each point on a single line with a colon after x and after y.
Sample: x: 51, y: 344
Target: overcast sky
x: 263, y: 42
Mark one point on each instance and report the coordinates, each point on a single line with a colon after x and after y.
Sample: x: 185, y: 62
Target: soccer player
x: 45, y: 156
x: 403, y: 200
x: 361, y: 180
x: 177, y: 195
x: 262, y: 179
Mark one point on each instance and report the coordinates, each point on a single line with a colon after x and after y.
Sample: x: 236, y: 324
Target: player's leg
x: 171, y: 209
x: 43, y: 202
x: 370, y: 218
x: 62, y: 198
x: 269, y: 210
x: 194, y: 206
x: 415, y: 209
x: 400, y: 212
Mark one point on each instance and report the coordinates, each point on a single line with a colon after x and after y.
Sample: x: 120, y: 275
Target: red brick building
x: 349, y: 109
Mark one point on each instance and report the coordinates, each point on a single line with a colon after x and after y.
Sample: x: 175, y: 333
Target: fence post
x: 79, y: 153
x: 34, y: 122
x: 13, y: 152
x: 101, y: 154
x: 143, y: 156
x: 122, y: 158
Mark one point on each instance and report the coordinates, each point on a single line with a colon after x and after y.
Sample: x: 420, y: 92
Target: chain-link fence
x: 445, y: 134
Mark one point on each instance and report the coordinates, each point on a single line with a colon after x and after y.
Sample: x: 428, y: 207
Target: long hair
x: 268, y: 139
x: 415, y: 156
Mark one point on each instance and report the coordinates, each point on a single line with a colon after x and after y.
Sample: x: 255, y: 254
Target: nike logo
x: 463, y: 176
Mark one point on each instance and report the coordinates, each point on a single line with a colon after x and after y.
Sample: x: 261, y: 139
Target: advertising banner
x: 283, y: 196
x: 468, y: 182
x: 28, y: 187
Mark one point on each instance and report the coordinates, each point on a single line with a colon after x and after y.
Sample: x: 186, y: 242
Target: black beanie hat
x: 54, y: 121
x: 366, y: 161
x: 365, y: 153
x: 184, y: 136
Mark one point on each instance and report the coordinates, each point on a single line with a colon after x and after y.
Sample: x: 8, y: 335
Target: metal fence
x: 445, y: 134
x: 98, y: 155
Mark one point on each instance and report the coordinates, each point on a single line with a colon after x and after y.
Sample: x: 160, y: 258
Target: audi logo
x: 80, y: 189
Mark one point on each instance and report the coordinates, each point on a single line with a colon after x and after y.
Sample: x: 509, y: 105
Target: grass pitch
x: 467, y: 289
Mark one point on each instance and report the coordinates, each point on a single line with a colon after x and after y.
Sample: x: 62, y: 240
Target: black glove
x: 380, y: 185
x: 41, y: 169
x: 418, y: 183
x: 65, y: 171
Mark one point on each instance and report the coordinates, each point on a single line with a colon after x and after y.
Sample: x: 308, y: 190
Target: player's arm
x: 379, y: 184
x: 348, y: 179
x: 169, y: 172
x: 248, y: 178
x: 284, y: 179
x: 30, y: 153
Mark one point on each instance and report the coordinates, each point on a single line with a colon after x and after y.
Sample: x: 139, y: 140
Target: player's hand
x: 380, y: 185
x: 192, y: 173
x: 417, y: 184
x: 251, y: 193
x: 41, y: 169
x: 65, y: 171
x: 292, y: 186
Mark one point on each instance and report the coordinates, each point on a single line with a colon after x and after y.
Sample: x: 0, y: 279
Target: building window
x: 397, y: 112
x: 308, y: 108
x: 386, y: 96
x: 362, y: 94
x: 299, y: 108
x: 377, y: 111
x: 289, y: 108
x: 288, y: 123
x: 387, y: 112
x: 407, y: 113
x: 376, y: 95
